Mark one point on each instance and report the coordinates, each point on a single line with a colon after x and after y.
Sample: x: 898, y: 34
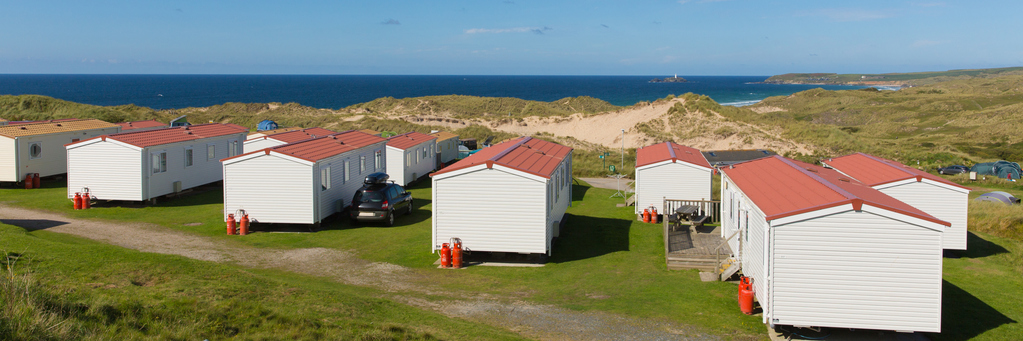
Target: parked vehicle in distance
x: 952, y: 170
x: 379, y: 200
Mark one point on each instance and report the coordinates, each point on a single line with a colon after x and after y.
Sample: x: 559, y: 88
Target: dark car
x: 379, y: 200
x: 952, y: 170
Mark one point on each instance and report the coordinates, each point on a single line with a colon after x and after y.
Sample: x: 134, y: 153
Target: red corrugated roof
x: 670, y: 151
x: 874, y: 171
x: 157, y: 137
x: 408, y: 140
x: 782, y: 187
x: 526, y: 154
x: 323, y: 147
x: 299, y: 135
x: 140, y: 124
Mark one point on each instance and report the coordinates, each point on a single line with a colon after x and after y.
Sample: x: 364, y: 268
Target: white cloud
x: 847, y: 14
x: 537, y: 30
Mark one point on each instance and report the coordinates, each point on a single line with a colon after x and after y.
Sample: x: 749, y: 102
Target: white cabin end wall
x: 111, y: 171
x: 514, y: 203
x: 857, y: 270
x: 8, y: 158
x: 284, y: 197
x: 942, y: 203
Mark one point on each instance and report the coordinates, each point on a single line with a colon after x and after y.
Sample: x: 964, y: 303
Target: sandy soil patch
x: 765, y: 109
x: 603, y: 129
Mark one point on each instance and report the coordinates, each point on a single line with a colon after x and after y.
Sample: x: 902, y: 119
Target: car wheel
x: 409, y: 211
x: 390, y: 218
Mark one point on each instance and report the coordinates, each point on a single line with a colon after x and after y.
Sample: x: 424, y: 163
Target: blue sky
x: 507, y: 37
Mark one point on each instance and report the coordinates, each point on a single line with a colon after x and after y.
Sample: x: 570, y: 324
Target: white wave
x: 741, y: 103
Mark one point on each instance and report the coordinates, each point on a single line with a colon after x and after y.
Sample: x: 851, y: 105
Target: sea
x: 338, y: 91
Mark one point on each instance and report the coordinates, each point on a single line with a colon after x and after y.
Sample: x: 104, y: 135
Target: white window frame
x: 232, y: 148
x: 189, y: 157
x: 376, y: 160
x: 408, y: 159
x: 38, y: 155
x: 159, y: 162
x: 346, y: 172
x: 211, y: 152
x: 324, y: 177
x: 362, y: 164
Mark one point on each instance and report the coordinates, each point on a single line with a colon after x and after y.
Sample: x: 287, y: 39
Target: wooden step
x: 729, y: 267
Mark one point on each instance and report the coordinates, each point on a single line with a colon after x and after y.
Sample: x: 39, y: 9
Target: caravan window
x: 325, y: 177
x: 188, y: 157
x: 346, y: 171
x: 35, y: 150
x: 211, y: 152
x: 376, y: 160
x: 159, y: 162
x: 362, y: 164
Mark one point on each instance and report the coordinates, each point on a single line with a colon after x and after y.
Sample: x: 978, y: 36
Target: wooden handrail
x: 718, y: 257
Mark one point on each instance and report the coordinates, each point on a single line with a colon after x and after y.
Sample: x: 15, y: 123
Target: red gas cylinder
x: 746, y: 295
x: 28, y: 180
x: 445, y: 256
x: 77, y: 200
x: 230, y: 224
x: 646, y: 215
x: 456, y: 253
x: 86, y: 199
x: 36, y: 183
x: 243, y: 227
x: 653, y: 216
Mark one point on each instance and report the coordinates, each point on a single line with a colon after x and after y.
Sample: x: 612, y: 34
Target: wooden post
x: 664, y: 206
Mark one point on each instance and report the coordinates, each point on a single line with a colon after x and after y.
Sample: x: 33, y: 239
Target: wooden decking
x: 694, y: 247
x: 699, y: 249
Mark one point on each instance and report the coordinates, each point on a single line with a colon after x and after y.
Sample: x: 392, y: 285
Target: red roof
x: 323, y: 147
x: 299, y: 135
x: 526, y: 154
x: 874, y: 171
x: 782, y: 187
x: 670, y: 151
x: 140, y: 124
x: 148, y: 138
x: 408, y: 140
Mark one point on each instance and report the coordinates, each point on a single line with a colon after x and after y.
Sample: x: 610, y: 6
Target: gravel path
x: 528, y: 319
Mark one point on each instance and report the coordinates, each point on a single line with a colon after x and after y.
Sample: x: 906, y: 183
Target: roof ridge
x: 509, y: 149
x: 671, y: 150
x: 886, y: 163
x: 817, y: 178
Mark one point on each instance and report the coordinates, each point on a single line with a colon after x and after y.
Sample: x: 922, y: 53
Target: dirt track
x: 528, y: 319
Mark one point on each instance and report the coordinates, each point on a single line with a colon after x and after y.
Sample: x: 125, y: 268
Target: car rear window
x: 368, y: 196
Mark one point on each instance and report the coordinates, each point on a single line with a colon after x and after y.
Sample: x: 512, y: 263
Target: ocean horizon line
x: 173, y: 91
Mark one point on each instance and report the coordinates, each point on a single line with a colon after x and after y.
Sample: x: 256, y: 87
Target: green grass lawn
x: 604, y: 261
x: 63, y: 288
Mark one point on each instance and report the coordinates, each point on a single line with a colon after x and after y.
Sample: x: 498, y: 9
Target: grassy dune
x: 961, y: 121
x: 914, y: 78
